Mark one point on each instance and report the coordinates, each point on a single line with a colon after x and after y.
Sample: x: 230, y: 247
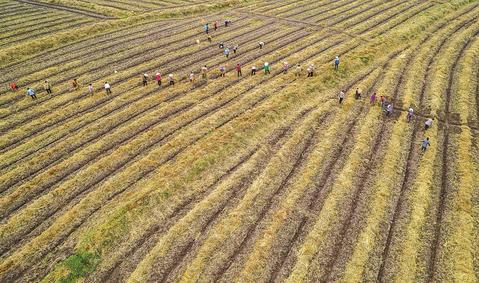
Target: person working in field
x: 372, y: 99
x: 221, y: 45
x: 253, y: 70
x: 425, y: 144
x: 171, y: 81
x: 382, y: 100
x: 13, y: 86
x: 145, y: 79
x: 238, y: 70
x: 261, y: 44
x: 410, y: 113
x: 158, y: 78
x: 357, y: 95
x: 342, y: 95
x: 235, y: 48
x: 207, y: 28
x: 222, y: 71
x: 389, y: 109
x: 216, y: 25
x: 47, y: 86
x: 204, y: 72
x: 75, y: 84
x: 310, y: 70
x: 90, y: 89
x: 336, y: 63
x: 107, y: 88
x: 266, y: 68
x: 31, y: 93
x: 285, y: 67
x: 428, y: 124
x: 297, y: 71
x: 227, y: 52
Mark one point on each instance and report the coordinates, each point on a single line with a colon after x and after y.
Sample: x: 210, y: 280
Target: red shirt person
x: 238, y: 70
x: 13, y: 86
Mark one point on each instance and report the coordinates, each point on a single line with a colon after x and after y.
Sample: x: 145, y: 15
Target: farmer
x: 221, y: 45
x: 372, y: 99
x: 47, y: 86
x: 238, y: 70
x: 425, y: 144
x: 13, y: 86
x: 261, y: 44
x: 285, y: 67
x: 227, y: 22
x: 227, y: 52
x: 310, y: 70
x: 145, y: 79
x: 266, y: 68
x: 171, y: 80
x: 74, y: 84
x: 341, y: 96
x: 223, y: 71
x: 207, y: 28
x: 204, y: 72
x: 90, y: 89
x: 235, y: 48
x: 158, y: 78
x: 216, y: 25
x: 107, y: 88
x: 382, y: 100
x: 336, y: 63
x: 297, y: 72
x: 253, y: 70
x: 358, y: 93
x: 389, y: 109
x: 428, y: 124
x: 410, y: 113
x: 31, y: 93
x: 192, y: 77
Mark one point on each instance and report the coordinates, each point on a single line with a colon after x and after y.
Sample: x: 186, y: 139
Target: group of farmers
x: 386, y: 106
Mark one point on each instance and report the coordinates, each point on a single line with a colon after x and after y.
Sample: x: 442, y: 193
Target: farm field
x: 228, y: 177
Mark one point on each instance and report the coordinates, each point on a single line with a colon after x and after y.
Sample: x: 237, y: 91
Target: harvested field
x: 230, y: 177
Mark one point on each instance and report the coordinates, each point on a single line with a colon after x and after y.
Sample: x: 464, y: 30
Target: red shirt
x: 238, y: 67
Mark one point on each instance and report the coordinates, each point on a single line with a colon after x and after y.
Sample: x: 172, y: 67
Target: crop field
x: 222, y: 177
